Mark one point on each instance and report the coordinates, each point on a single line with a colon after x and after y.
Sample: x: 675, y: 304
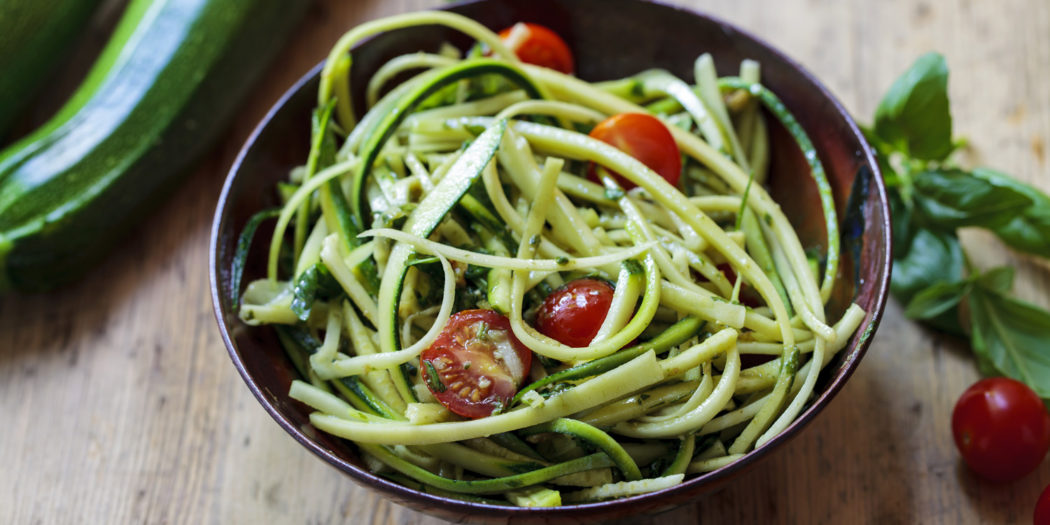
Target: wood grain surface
x: 120, y: 405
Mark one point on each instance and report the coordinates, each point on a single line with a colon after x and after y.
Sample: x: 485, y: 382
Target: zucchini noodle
x: 470, y: 182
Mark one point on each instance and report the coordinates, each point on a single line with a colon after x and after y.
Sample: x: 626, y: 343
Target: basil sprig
x: 931, y: 197
x: 316, y: 284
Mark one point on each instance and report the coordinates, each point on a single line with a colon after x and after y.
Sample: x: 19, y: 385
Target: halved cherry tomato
x: 1042, y: 508
x: 643, y: 137
x: 535, y: 44
x: 1001, y: 428
x: 476, y: 364
x: 573, y: 314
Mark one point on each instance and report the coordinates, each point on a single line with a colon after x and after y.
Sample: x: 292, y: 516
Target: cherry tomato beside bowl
x: 476, y: 364
x: 537, y: 45
x: 643, y: 137
x: 1042, y: 508
x: 573, y: 314
x: 1001, y: 428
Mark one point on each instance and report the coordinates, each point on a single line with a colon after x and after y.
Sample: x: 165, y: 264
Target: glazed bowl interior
x: 610, y: 39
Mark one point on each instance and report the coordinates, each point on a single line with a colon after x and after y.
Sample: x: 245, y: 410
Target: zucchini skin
x: 35, y: 35
x: 69, y: 196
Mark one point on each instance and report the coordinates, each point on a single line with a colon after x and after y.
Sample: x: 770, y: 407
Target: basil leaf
x: 432, y: 377
x: 1000, y: 279
x: 932, y: 257
x: 1029, y: 230
x: 914, y: 116
x: 1011, y: 338
x: 934, y: 301
x: 315, y: 284
x: 954, y: 199
x: 883, y: 152
x: 240, y: 257
x: 903, y: 229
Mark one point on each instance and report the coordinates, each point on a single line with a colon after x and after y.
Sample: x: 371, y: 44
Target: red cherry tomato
x: 573, y: 314
x: 476, y: 364
x: 1001, y: 428
x: 535, y: 44
x: 1042, y: 508
x: 643, y: 137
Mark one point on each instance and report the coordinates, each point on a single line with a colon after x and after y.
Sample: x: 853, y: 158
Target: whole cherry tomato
x: 535, y: 44
x: 643, y: 137
x: 1042, y: 508
x: 476, y: 364
x: 573, y: 314
x: 1001, y: 428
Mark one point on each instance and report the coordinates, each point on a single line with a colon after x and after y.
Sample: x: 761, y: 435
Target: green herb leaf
x: 903, y: 229
x: 953, y: 198
x: 633, y: 267
x: 914, y: 116
x: 1011, y: 338
x: 931, y: 258
x: 240, y: 258
x: 482, y: 332
x: 929, y: 200
x: 315, y: 284
x: 936, y: 300
x: 1029, y: 230
x: 432, y: 377
x: 1000, y: 279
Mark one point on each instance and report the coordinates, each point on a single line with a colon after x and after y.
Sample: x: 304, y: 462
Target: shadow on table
x: 998, y: 502
x: 848, y: 466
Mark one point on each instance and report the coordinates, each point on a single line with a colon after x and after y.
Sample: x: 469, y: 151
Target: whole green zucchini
x: 34, y: 37
x: 162, y: 92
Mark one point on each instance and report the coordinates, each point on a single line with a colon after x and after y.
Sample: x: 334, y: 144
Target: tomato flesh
x: 1042, y: 508
x: 643, y: 137
x: 537, y: 45
x: 476, y: 364
x: 573, y: 314
x: 1001, y: 428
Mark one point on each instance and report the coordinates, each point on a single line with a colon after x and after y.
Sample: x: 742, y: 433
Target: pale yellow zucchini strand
x: 570, y: 88
x: 578, y: 146
x: 342, y: 47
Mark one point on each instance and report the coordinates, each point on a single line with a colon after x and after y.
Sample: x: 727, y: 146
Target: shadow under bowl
x: 610, y: 39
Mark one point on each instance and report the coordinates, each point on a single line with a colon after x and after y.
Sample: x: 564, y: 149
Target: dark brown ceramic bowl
x: 610, y: 39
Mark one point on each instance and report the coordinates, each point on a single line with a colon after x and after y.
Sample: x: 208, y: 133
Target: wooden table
x: 120, y: 404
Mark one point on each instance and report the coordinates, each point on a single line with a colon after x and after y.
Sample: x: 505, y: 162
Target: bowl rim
x: 401, y: 493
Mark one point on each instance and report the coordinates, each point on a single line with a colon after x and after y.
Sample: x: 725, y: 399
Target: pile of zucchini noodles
x: 465, y: 187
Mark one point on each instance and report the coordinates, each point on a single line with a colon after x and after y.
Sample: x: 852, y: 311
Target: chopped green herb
x: 497, y: 407
x: 483, y: 331
x: 633, y: 267
x: 432, y: 378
